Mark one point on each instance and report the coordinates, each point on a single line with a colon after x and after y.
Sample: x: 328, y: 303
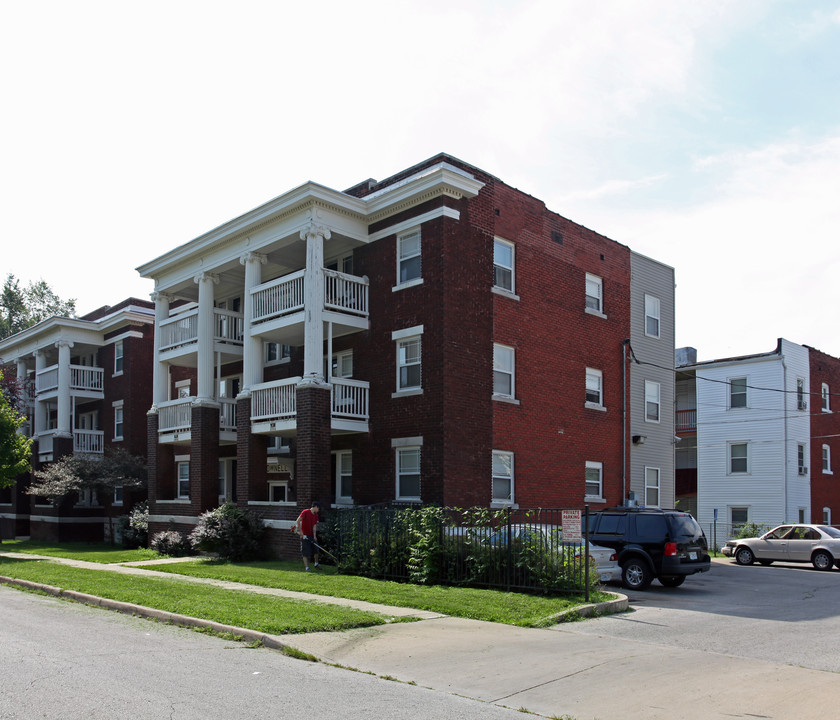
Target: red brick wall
x: 825, y: 430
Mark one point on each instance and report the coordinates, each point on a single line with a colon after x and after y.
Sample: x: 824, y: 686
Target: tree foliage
x: 15, y: 449
x: 21, y: 308
x: 76, y: 473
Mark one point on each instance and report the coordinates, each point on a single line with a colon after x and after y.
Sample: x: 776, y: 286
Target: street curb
x: 269, y: 641
x: 618, y: 604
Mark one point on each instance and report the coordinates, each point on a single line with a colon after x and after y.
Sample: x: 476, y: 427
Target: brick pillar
x: 250, y: 455
x: 152, y: 457
x: 313, y: 479
x: 204, y: 458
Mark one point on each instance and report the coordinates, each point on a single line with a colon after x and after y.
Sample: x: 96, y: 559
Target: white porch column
x: 23, y: 407
x: 160, y: 370
x: 206, y: 333
x: 40, y: 405
x: 252, y: 357
x: 313, y: 352
x: 63, y: 419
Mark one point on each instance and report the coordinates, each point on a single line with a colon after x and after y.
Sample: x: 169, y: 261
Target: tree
x: 15, y: 449
x: 21, y: 308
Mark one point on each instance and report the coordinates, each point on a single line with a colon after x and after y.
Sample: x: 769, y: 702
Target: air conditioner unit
x: 802, y: 405
x: 803, y: 470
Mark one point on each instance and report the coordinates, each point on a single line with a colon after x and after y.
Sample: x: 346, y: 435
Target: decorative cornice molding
x: 252, y: 256
x: 205, y: 276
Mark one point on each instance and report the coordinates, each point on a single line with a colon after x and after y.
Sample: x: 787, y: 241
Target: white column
x: 63, y: 420
x: 252, y: 355
x: 160, y: 369
x: 206, y: 333
x: 313, y: 352
x: 23, y: 407
x: 40, y: 405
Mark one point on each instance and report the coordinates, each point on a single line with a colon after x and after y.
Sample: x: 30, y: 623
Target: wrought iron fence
x: 510, y: 549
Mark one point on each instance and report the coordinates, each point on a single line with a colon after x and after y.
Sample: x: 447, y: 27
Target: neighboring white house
x: 751, y: 439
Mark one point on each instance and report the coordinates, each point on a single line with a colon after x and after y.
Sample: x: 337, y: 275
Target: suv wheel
x: 635, y: 574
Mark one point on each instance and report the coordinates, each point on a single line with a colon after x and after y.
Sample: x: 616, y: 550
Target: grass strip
x: 262, y: 613
x: 92, y: 552
x: 475, y: 603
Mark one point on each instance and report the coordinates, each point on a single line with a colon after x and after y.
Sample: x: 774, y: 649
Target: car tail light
x: 670, y: 549
x: 614, y: 557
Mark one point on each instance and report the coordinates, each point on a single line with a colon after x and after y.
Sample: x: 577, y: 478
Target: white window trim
x: 511, y: 291
x: 495, y: 502
x: 339, y: 498
x: 651, y: 383
x: 119, y: 345
x: 826, y: 460
x: 399, y: 450
x: 121, y: 405
x: 398, y: 285
x: 400, y: 336
x: 729, y: 470
x: 599, y: 466
x: 179, y: 461
x: 826, y: 516
x: 279, y: 503
x: 280, y: 361
x: 657, y: 316
x: 593, y: 372
x: 512, y: 372
x: 598, y: 312
x: 746, y: 404
x: 825, y: 403
x: 180, y: 385
x: 658, y: 485
x: 730, y: 508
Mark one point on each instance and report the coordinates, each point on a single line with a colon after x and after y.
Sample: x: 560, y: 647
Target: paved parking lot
x: 785, y: 613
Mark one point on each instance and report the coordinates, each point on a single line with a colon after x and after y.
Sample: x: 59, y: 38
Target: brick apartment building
x: 825, y: 436
x: 436, y: 337
x: 87, y: 387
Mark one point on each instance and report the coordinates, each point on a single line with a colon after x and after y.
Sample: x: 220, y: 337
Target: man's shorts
x: 307, y: 546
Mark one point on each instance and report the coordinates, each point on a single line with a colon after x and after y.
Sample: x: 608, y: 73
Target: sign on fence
x: 572, y: 526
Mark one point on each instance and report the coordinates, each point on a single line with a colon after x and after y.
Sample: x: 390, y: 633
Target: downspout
x: 624, y: 420
x: 785, y: 419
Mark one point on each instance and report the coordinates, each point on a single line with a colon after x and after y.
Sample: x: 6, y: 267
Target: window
x: 652, y: 487
x: 344, y: 477
x: 800, y: 459
x: 342, y: 365
x: 594, y: 391
x: 183, y: 469
x: 503, y: 365
x: 408, y: 254
x: 182, y: 388
x: 826, y: 516
x: 227, y: 478
x: 118, y: 420
x: 801, y: 402
x: 118, y: 357
x: 652, y: 315
x: 118, y: 494
x: 278, y: 492
x: 652, y: 400
x: 503, y: 265
x: 594, y: 480
x: 738, y: 393
x: 502, y: 477
x: 408, y: 364
x: 826, y: 459
x: 826, y: 395
x: 408, y: 473
x: 738, y: 516
x: 738, y: 458
x: 594, y: 293
x: 275, y: 352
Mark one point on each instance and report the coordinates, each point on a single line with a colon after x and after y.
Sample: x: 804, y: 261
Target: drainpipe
x: 785, y: 416
x: 624, y: 420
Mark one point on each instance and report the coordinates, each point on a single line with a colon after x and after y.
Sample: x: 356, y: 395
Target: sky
x: 704, y: 134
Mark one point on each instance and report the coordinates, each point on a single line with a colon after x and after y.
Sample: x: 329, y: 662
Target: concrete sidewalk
x: 560, y: 673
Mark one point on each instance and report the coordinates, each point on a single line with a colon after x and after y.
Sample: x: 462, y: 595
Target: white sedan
x: 816, y: 544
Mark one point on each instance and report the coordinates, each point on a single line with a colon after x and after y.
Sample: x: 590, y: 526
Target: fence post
x: 509, y: 552
x: 586, y: 542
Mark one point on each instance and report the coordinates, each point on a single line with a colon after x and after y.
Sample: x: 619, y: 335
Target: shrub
x: 751, y: 529
x: 231, y: 533
x: 134, y: 527
x: 171, y: 542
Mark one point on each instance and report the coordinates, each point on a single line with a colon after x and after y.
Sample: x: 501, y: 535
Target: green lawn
x: 92, y: 552
x: 263, y: 613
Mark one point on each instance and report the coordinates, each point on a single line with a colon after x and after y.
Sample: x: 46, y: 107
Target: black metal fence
x: 509, y: 549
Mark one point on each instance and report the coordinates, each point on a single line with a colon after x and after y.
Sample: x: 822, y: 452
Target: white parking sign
x: 571, y: 526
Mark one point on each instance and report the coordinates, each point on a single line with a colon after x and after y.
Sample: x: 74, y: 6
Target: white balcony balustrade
x: 228, y: 326
x: 89, y: 442
x: 227, y: 415
x: 276, y: 401
x: 175, y: 415
x: 182, y: 329
x: 350, y: 398
x: 83, y: 378
x: 346, y: 293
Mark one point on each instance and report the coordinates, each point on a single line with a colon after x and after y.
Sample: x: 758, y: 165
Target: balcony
x: 85, y: 381
x: 175, y: 421
x: 686, y: 420
x: 179, y: 334
x: 274, y: 406
x: 89, y: 442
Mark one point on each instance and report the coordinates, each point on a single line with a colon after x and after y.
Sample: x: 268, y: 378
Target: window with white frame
x: 594, y: 293
x: 652, y: 316
x: 653, y: 400
x: 826, y: 516
x: 503, y: 268
x: 594, y: 480
x: 182, y: 389
x: 118, y: 357
x: 502, y: 477
x: 826, y: 398
x: 183, y: 470
x: 342, y: 365
x: 278, y: 491
x: 652, y: 487
x: 738, y: 392
x: 738, y: 458
x: 738, y: 516
x: 408, y: 473
x: 118, y: 494
x: 826, y: 460
x: 409, y: 364
x: 594, y: 388
x: 408, y: 257
x: 503, y: 371
x: 276, y: 352
x: 801, y: 458
x: 118, y: 419
x: 801, y: 401
x: 344, y: 477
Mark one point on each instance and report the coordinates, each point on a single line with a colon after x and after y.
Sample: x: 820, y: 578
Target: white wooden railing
x: 229, y: 326
x: 227, y: 415
x: 274, y: 400
x: 175, y: 415
x: 82, y: 377
x: 180, y: 329
x: 279, y: 297
x: 46, y: 379
x: 346, y: 293
x: 89, y: 441
x: 350, y: 398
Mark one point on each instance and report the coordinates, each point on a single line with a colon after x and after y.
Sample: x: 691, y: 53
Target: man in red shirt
x: 307, y: 527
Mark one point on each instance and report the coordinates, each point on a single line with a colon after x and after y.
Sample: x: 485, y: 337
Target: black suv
x: 651, y: 543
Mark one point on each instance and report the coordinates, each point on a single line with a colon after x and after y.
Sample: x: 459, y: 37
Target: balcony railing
x: 90, y: 442
x: 685, y: 420
x: 350, y: 398
x: 176, y: 415
x: 82, y: 377
x: 227, y: 415
x: 277, y: 400
x: 346, y: 293
x: 182, y: 329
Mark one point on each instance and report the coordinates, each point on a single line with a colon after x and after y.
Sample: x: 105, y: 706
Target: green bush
x: 171, y: 542
x: 134, y: 527
x: 231, y: 533
x: 751, y: 529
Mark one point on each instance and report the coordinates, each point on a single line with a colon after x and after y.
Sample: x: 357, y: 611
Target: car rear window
x: 612, y: 524
x: 685, y: 526
x: 651, y: 526
x: 833, y: 532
